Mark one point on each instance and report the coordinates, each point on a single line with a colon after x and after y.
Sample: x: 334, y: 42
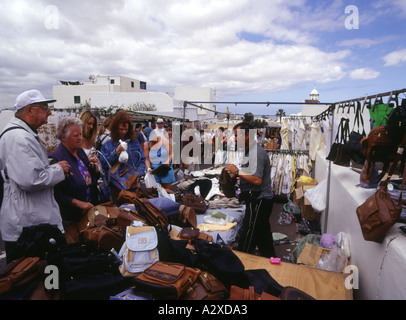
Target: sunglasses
x: 42, y: 107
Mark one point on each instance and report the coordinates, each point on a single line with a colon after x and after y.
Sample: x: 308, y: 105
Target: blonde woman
x: 89, y: 132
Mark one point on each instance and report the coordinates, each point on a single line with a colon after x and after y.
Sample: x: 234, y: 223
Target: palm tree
x: 281, y: 113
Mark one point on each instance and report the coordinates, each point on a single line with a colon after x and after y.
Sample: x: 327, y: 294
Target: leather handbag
x: 206, y: 287
x: 18, y: 273
x: 237, y: 293
x: 379, y: 212
x: 106, y: 213
x: 227, y: 184
x: 153, y: 214
x: 190, y: 233
x: 196, y: 202
x: 166, y: 280
x: 186, y: 217
x: 353, y: 147
x: 124, y: 176
x: 145, y: 208
x: 396, y: 124
x: 104, y: 237
x: 337, y: 153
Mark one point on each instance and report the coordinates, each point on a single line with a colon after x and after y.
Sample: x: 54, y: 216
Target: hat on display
x: 160, y: 120
x: 30, y: 97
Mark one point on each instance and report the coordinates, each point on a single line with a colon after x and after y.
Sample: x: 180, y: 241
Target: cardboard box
x: 312, y: 183
x: 311, y: 255
x: 306, y: 208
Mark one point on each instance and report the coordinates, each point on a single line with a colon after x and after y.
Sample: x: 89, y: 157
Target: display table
x: 320, y: 284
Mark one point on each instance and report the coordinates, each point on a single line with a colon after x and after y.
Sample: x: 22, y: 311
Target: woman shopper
x: 160, y: 154
x: 122, y: 130
x: 77, y: 192
x: 89, y: 132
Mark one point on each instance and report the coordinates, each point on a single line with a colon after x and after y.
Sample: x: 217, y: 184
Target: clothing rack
x: 291, y: 152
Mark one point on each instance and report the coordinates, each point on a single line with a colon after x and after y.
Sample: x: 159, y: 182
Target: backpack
x: 1, y: 173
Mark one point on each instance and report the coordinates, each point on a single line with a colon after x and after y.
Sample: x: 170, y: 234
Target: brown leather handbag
x: 19, y: 272
x: 166, y: 280
x: 104, y: 237
x: 108, y: 211
x: 207, y: 287
x: 187, y: 216
x: 379, y: 212
x: 237, y: 293
x: 196, y: 202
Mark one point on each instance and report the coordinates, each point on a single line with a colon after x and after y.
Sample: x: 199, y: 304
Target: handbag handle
x: 359, y: 119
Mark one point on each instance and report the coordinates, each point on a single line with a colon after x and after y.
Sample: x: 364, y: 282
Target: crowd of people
x: 57, y: 188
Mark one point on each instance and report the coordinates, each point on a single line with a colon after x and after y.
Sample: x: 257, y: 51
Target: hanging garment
x: 285, y: 135
x: 300, y: 135
x: 315, y: 140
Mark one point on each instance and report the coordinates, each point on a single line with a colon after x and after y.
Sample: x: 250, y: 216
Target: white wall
x: 382, y: 266
x: 162, y: 101
x: 197, y: 94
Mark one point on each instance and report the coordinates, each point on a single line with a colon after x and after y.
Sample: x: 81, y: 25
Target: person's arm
x: 232, y: 170
x: 26, y: 167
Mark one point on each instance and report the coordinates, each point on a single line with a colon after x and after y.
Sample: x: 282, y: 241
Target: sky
x: 246, y: 50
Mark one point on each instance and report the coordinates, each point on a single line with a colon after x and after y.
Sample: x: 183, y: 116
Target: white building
x: 104, y: 92
x: 314, y: 107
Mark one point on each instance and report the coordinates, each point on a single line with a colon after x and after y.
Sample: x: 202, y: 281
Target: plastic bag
x: 150, y: 181
x: 334, y: 261
x: 123, y: 158
x: 217, y: 217
x: 317, y: 196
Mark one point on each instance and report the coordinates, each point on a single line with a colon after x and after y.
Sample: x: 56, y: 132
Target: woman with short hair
x: 77, y: 192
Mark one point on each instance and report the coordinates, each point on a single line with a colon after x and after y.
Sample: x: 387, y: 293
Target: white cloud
x: 171, y: 43
x: 364, y: 74
x: 395, y: 58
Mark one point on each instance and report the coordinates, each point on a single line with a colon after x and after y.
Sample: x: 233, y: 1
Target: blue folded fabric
x: 169, y: 206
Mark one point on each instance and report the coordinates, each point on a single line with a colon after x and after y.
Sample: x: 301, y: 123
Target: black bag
x: 353, y: 147
x: 86, y: 272
x: 220, y: 261
x: 396, y: 123
x: 262, y: 281
x: 337, y: 153
x: 161, y: 171
x: 39, y: 240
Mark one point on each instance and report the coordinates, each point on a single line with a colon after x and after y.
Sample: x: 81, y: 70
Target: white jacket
x: 28, y: 188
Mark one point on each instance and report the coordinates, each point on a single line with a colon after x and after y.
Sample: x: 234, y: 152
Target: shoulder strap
x: 11, y: 128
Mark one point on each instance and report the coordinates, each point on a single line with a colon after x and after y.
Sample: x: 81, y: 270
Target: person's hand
x: 82, y: 204
x: 119, y: 149
x: 231, y: 169
x: 94, y: 162
x: 65, y: 168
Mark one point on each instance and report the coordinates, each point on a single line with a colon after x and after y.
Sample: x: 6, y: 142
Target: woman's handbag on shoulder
x: 124, y: 176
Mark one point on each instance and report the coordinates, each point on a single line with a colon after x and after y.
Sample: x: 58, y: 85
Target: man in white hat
x: 28, y: 198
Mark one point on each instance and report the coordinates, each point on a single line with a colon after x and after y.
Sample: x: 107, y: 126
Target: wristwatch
x: 237, y: 173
